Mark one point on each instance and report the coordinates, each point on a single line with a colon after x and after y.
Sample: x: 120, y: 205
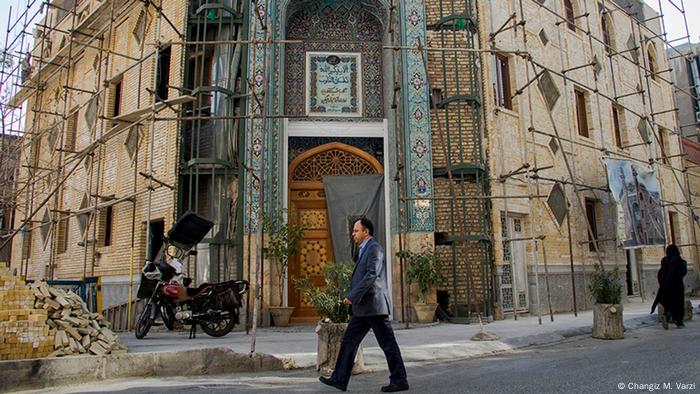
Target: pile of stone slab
x: 76, y: 330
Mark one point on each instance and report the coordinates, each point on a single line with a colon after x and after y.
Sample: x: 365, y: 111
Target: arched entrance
x: 308, y: 200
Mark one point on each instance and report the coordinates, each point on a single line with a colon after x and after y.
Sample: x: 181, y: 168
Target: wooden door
x: 307, y: 200
x: 315, y: 248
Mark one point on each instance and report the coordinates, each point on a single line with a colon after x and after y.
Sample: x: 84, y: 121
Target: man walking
x: 369, y: 306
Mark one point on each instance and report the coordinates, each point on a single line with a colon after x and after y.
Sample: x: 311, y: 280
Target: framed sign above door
x: 333, y: 84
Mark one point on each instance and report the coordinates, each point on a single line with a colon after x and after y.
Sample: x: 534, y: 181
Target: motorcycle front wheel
x: 219, y: 327
x: 145, y: 322
x: 168, y: 315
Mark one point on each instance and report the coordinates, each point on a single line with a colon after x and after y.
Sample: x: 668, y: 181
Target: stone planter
x: 607, y: 321
x: 329, y: 337
x: 425, y: 313
x: 280, y: 315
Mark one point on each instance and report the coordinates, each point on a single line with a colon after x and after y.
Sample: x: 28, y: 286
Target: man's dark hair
x: 367, y: 224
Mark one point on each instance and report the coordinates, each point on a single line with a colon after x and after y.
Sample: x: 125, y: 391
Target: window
x: 617, y: 128
x: 62, y: 235
x: 651, y: 59
x: 570, y: 16
x: 663, y: 145
x: 581, y: 113
x: 605, y: 26
x: 114, y: 100
x: 106, y: 224
x: 592, y: 221
x: 501, y: 82
x: 200, y: 74
x: 117, y: 101
x: 435, y: 97
x: 163, y: 72
x: 35, y: 153
x: 674, y: 226
x: 27, y: 245
x: 71, y: 131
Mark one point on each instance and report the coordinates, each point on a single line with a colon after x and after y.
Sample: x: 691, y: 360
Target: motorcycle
x: 213, y: 306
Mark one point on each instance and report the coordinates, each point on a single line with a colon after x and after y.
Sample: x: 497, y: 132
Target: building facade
x: 454, y: 127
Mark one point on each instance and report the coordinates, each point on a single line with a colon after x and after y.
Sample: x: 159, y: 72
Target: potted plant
x: 282, y: 242
x: 606, y: 289
x: 328, y: 302
x: 424, y: 269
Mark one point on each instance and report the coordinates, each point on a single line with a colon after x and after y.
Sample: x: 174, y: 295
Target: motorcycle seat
x: 194, y: 292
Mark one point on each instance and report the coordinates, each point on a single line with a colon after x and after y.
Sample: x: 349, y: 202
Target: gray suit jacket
x: 368, y: 286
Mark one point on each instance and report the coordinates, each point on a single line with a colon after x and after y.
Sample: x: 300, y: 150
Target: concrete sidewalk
x: 421, y: 343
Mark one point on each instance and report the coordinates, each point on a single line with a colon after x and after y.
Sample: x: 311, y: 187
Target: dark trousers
x: 355, y: 333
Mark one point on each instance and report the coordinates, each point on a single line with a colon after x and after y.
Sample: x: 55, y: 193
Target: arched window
x: 651, y: 60
x: 607, y: 30
x: 570, y: 16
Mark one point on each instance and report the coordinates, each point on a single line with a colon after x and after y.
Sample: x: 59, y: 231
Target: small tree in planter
x: 606, y: 289
x: 424, y: 269
x: 328, y: 302
x: 282, y: 242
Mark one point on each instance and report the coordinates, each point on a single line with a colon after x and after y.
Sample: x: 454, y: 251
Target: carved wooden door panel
x: 315, y: 248
x: 308, y: 200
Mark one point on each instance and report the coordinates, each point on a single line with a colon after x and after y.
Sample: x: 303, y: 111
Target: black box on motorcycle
x: 189, y: 230
x: 186, y: 233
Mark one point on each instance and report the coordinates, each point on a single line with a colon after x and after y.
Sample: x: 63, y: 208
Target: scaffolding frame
x: 458, y: 33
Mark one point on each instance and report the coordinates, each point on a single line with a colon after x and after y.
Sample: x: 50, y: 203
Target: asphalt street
x: 647, y: 360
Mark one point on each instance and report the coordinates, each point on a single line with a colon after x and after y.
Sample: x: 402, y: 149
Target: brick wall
x: 113, y: 172
x: 23, y: 330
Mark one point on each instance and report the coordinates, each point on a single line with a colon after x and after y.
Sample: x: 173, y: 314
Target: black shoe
x: 394, y: 387
x: 331, y: 382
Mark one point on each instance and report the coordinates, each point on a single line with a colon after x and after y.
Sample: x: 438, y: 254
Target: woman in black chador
x: 671, y: 288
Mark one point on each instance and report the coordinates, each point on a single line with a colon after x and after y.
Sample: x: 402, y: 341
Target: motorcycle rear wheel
x: 145, y: 322
x: 219, y: 328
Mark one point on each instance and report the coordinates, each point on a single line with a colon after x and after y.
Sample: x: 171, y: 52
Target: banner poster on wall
x: 635, y: 188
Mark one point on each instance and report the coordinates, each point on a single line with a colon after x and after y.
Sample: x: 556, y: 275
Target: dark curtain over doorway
x: 349, y: 198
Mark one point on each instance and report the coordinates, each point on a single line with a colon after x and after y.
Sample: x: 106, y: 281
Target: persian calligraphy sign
x: 333, y: 84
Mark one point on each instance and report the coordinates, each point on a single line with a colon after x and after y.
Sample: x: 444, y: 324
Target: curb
x: 50, y: 372
x: 462, y: 350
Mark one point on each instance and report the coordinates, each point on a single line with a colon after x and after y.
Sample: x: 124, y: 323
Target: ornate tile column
x: 255, y: 133
x: 416, y: 118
